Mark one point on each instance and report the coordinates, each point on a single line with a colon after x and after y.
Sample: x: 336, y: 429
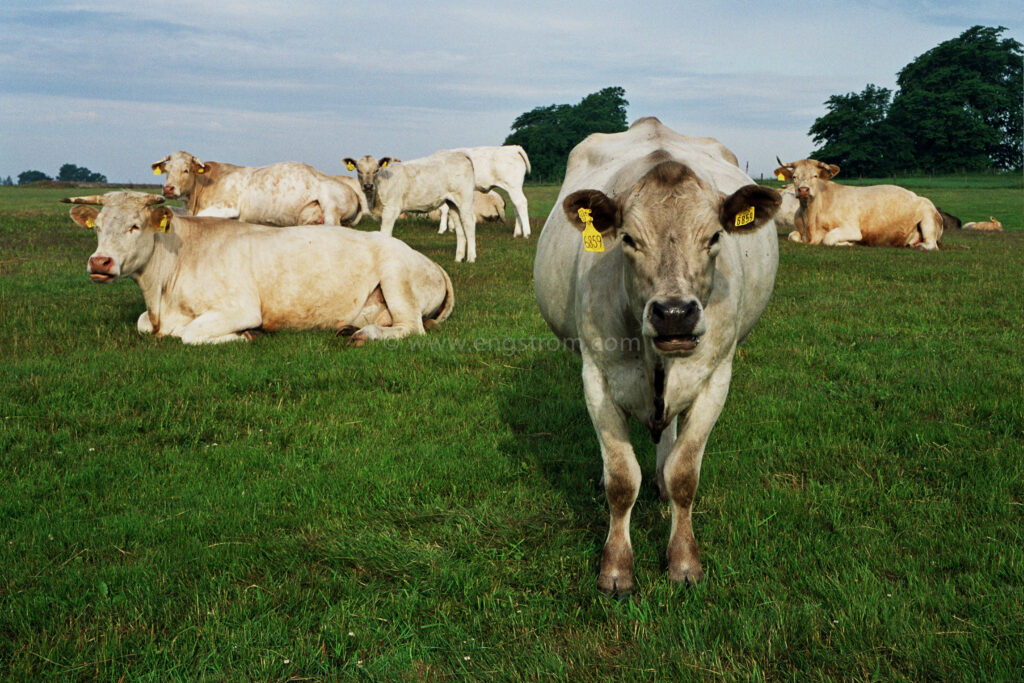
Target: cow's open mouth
x: 668, y: 343
x: 101, y: 277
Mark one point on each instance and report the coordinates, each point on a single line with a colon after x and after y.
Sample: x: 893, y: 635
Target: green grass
x: 296, y: 509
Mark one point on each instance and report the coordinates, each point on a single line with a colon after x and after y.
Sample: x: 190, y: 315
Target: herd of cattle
x: 655, y: 263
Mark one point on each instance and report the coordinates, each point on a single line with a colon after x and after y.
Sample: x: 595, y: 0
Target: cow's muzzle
x: 101, y: 268
x: 677, y: 323
x: 803, y: 192
x: 170, y: 192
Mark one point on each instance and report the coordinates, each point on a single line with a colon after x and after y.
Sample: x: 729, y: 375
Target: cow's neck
x: 203, y: 180
x: 154, y: 277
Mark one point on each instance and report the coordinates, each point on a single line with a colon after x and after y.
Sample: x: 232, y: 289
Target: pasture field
x: 298, y: 509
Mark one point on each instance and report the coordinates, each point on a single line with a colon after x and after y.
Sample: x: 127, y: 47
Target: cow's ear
x: 749, y: 207
x: 828, y: 171
x: 385, y: 161
x: 605, y: 212
x: 85, y: 216
x: 158, y: 168
x: 198, y: 166
x: 784, y: 173
x: 350, y: 163
x: 160, y: 218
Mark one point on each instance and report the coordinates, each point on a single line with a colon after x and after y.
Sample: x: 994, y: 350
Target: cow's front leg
x: 387, y: 219
x: 621, y: 477
x: 681, y: 473
x: 842, y: 237
x: 217, y: 327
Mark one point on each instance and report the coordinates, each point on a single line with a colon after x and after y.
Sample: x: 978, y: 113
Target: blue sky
x: 115, y: 86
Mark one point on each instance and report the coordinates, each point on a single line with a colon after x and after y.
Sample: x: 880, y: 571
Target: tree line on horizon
x: 69, y: 173
x: 958, y: 108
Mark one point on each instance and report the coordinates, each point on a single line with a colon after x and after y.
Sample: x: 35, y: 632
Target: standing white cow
x: 212, y: 280
x: 288, y: 193
x: 505, y: 167
x: 423, y: 185
x: 685, y: 264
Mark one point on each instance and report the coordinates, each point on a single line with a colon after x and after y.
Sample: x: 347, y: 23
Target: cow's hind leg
x: 395, y: 307
x: 312, y: 214
x: 842, y: 237
x: 518, y: 199
x: 217, y: 327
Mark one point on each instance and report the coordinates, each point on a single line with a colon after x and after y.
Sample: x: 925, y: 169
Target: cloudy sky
x: 115, y: 85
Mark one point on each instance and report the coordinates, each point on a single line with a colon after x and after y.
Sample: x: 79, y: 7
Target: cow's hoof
x: 618, y: 587
x: 431, y: 325
x: 347, y: 331
x: 687, y: 577
x: 252, y: 334
x: 357, y: 339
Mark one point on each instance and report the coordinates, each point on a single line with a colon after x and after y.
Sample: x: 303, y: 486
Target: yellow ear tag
x: 90, y: 223
x: 592, y: 240
x: 201, y: 169
x: 781, y: 177
x: 156, y: 171
x: 745, y: 217
x: 165, y: 224
x: 350, y: 166
x: 384, y: 164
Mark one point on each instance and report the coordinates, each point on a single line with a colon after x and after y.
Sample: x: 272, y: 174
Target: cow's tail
x: 526, y: 159
x: 445, y: 309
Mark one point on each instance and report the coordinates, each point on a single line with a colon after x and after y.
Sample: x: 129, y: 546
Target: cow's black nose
x: 673, y: 317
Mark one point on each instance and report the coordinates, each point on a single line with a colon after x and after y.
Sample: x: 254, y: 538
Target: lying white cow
x: 279, y: 194
x: 688, y: 265
x: 423, y: 185
x: 212, y: 280
x: 488, y: 206
x: 503, y: 167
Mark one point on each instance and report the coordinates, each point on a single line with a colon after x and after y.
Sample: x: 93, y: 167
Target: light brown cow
x: 676, y: 262
x: 282, y: 194
x: 841, y: 215
x: 213, y: 280
x: 991, y: 225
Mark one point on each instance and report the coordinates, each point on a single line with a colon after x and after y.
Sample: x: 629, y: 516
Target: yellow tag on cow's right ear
x: 592, y: 240
x: 201, y: 169
x: 90, y: 223
x: 165, y: 224
x: 156, y: 171
x: 781, y: 177
x: 745, y: 217
x: 350, y: 166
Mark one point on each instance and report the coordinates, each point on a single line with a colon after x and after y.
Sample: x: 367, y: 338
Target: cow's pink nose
x: 169, y: 191
x: 803, y: 192
x: 101, y: 264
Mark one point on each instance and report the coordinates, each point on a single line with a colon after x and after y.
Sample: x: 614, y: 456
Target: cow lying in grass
x: 212, y: 280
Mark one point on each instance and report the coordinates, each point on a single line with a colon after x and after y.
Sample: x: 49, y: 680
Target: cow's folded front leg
x: 217, y: 327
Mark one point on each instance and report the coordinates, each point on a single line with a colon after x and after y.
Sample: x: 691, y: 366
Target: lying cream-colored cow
x: 841, y: 215
x: 991, y: 225
x: 288, y: 193
x: 505, y: 167
x: 686, y: 262
x: 488, y: 206
x: 212, y: 280
x: 423, y: 185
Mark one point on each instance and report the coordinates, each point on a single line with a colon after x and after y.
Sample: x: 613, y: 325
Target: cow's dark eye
x: 714, y: 239
x: 628, y: 241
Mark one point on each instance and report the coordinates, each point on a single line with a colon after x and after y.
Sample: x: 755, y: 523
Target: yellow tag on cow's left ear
x: 156, y: 171
x: 165, y: 224
x: 201, y: 169
x: 592, y: 240
x: 781, y: 177
x: 745, y: 217
x: 90, y: 223
x: 350, y: 166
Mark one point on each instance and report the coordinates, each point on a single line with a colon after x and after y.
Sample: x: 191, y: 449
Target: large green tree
x: 26, y: 177
x: 549, y: 133
x: 79, y: 174
x: 854, y: 133
x: 958, y: 107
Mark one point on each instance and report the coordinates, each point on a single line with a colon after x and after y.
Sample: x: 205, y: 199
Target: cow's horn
x: 780, y: 162
x: 91, y: 199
